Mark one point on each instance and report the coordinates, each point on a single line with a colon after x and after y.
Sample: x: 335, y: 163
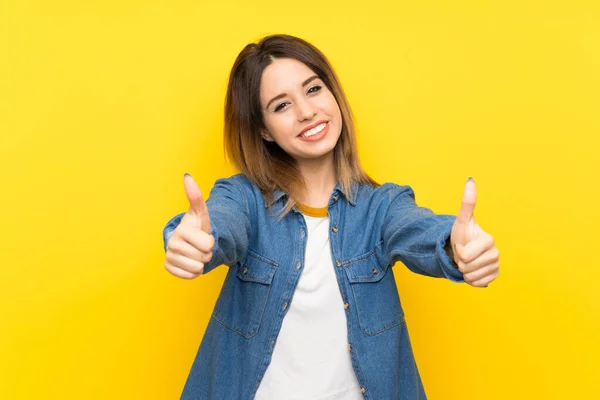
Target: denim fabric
x: 265, y: 257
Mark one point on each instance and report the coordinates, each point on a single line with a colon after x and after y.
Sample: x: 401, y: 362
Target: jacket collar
x: 279, y: 194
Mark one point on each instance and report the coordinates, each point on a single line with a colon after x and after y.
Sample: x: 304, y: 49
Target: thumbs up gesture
x: 473, y: 249
x: 191, y: 244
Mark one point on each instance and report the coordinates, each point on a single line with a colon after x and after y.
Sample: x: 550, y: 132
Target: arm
x: 229, y: 221
x: 418, y: 237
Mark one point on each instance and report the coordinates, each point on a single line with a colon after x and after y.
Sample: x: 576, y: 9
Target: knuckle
x: 198, y: 267
x: 178, y: 231
x: 173, y: 244
x: 207, y: 243
x: 200, y: 270
x: 206, y: 257
x: 172, y: 270
x: 190, y: 277
x: 479, y: 283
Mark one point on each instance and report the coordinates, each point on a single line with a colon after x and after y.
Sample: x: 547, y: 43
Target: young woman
x: 309, y: 308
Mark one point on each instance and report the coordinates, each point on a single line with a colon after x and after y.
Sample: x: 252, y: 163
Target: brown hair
x: 264, y: 162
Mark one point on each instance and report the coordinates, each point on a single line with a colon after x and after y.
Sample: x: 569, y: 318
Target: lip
x: 317, y: 137
x: 309, y: 127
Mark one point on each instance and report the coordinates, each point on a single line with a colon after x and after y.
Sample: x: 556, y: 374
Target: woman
x: 309, y: 308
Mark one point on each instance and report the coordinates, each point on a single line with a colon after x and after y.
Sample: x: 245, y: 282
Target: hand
x: 191, y: 244
x: 474, y: 251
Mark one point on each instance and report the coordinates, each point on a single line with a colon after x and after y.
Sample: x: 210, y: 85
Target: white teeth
x: 315, y: 130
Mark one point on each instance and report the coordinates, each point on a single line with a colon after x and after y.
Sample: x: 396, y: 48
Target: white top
x: 311, y: 360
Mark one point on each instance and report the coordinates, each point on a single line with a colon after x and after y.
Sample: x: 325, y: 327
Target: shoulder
x: 386, y: 193
x: 240, y: 189
x: 240, y: 180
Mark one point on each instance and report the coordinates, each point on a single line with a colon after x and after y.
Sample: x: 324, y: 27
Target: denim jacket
x: 368, y: 234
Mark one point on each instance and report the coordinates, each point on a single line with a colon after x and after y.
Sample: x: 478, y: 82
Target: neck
x: 320, y: 177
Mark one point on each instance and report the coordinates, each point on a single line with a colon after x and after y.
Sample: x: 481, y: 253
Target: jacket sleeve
x: 417, y: 237
x: 229, y: 222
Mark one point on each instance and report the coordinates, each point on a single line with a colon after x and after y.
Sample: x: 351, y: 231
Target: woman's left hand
x: 473, y: 249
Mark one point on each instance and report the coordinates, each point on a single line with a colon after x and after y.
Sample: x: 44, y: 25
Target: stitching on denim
x: 363, y: 324
x: 252, y: 279
x: 262, y: 258
x: 243, y: 194
x: 384, y: 329
x: 252, y: 334
x: 370, y: 280
x: 363, y: 256
x: 233, y: 329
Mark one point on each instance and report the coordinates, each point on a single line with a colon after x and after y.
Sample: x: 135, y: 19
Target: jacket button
x: 334, y: 229
x: 374, y: 271
x: 346, y: 305
x: 338, y: 263
x: 349, y: 348
x: 335, y: 197
x: 285, y: 305
x: 302, y: 234
x: 362, y: 390
x: 244, y: 271
x: 299, y: 265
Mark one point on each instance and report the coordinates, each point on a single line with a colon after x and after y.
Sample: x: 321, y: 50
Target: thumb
x: 198, y: 207
x: 468, y: 203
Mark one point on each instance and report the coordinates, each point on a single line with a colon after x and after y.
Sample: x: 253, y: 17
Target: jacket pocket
x: 244, y: 295
x: 375, y: 294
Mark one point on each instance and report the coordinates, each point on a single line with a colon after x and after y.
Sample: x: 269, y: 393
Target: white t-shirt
x: 311, y: 360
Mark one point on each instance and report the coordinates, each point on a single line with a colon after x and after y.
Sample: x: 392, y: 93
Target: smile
x: 315, y: 134
x: 315, y: 130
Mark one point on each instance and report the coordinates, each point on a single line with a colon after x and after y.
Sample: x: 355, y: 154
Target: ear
x: 266, y: 135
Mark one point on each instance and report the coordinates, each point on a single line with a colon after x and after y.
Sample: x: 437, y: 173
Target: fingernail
x: 470, y: 179
x: 186, y: 174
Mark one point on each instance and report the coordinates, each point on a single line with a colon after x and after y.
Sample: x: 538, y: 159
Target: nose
x: 305, y: 109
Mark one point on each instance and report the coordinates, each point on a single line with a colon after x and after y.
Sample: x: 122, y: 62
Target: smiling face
x: 299, y: 112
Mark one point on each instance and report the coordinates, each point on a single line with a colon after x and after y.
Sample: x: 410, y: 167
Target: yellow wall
x: 105, y: 104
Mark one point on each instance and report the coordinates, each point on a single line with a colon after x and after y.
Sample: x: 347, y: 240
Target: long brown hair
x: 263, y: 162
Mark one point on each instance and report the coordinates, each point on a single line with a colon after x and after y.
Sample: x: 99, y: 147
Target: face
x: 299, y: 112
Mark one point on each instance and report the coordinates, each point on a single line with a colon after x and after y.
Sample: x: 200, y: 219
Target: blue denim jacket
x: 265, y: 257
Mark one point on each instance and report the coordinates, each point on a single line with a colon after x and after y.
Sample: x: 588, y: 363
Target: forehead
x: 283, y: 75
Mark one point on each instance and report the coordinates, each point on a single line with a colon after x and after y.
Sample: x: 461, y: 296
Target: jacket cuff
x: 170, y: 228
x: 218, y: 257
x: 446, y: 263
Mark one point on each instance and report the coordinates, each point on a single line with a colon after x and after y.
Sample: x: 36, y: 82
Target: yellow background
x: 105, y: 104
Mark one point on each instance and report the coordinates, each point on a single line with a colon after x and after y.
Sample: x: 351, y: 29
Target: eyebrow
x: 279, y: 96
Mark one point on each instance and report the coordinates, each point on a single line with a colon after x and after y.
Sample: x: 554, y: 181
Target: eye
x: 314, y: 89
x: 280, y: 106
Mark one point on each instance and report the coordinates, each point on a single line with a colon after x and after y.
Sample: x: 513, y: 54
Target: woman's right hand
x: 191, y: 244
